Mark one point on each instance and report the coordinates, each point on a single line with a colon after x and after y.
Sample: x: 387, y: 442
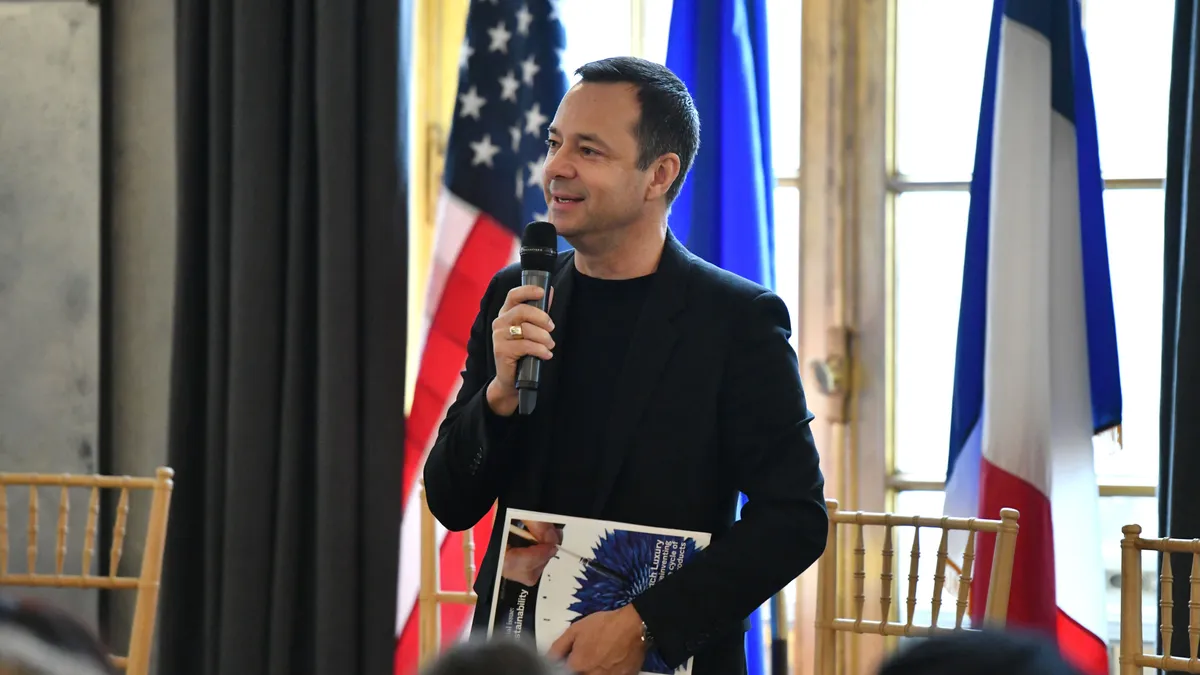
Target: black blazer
x: 711, y: 404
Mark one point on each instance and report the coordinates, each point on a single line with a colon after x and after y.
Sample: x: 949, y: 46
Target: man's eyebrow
x: 585, y: 137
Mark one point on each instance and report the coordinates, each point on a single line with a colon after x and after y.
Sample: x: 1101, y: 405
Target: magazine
x: 562, y: 568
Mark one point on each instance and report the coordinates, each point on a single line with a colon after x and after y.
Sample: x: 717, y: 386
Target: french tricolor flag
x: 1036, y: 366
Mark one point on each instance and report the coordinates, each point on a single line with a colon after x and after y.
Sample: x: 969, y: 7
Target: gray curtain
x: 1179, y: 457
x: 287, y: 391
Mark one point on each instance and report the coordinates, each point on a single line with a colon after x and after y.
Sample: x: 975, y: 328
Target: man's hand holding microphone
x: 520, y: 330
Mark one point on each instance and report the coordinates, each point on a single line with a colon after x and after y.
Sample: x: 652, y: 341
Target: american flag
x: 510, y: 83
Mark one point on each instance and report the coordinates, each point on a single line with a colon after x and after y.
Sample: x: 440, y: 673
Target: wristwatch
x: 647, y: 639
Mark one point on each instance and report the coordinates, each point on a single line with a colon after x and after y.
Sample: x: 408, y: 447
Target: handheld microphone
x: 539, y: 250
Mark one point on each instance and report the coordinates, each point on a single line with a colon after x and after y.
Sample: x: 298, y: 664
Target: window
x: 939, y: 50
x: 597, y: 30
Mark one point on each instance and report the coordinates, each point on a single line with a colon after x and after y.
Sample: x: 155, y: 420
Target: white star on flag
x: 535, y: 173
x: 529, y: 68
x: 485, y: 150
x: 524, y: 18
x: 472, y: 103
x: 509, y: 84
x: 464, y: 54
x: 534, y: 119
x: 500, y: 37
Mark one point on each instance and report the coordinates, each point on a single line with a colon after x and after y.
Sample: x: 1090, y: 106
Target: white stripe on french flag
x: 1036, y: 371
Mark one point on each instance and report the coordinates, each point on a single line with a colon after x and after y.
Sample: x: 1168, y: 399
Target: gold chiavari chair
x: 829, y: 624
x: 1133, y: 654
x: 431, y: 596
x: 146, y: 584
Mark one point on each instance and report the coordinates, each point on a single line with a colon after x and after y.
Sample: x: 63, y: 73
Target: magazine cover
x: 555, y: 570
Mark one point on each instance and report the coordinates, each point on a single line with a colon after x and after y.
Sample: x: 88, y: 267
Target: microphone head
x: 539, y: 246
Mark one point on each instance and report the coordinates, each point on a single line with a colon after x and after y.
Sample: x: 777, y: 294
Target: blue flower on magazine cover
x: 631, y: 556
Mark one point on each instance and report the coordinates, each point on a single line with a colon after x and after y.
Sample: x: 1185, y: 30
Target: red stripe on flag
x: 1083, y: 648
x: 453, y: 617
x: 1032, y: 601
x: 486, y: 249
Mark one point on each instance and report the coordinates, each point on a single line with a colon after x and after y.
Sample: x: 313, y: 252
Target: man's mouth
x: 566, y: 200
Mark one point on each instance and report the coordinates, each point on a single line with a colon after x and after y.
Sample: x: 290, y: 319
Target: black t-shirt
x: 591, y: 348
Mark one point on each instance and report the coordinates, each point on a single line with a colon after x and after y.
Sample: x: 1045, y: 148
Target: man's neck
x: 635, y: 254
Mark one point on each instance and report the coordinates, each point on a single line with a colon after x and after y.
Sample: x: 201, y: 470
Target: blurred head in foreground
x: 38, y: 639
x: 499, y: 657
x: 979, y: 653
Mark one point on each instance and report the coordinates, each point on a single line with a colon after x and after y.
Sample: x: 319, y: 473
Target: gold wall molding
x: 440, y: 26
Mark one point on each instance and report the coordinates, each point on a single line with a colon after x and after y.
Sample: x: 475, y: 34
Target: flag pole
x: 779, y: 635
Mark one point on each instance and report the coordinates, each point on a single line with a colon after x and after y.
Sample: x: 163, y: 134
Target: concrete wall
x: 49, y: 267
x: 50, y: 243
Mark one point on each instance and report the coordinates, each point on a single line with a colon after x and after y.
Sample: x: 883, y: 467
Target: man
x: 668, y: 386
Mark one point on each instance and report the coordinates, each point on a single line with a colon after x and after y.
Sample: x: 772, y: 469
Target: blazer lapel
x: 651, y: 343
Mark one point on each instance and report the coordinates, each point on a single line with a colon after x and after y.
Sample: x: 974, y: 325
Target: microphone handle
x: 529, y: 368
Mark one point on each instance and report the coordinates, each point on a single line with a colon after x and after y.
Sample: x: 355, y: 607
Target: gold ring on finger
x: 515, y: 332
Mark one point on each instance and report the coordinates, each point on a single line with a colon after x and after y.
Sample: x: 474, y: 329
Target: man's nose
x: 558, y: 165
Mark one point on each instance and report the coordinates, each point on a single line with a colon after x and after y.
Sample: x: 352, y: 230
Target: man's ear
x: 663, y: 173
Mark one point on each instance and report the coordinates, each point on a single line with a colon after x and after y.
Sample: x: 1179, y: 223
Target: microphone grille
x: 539, y: 246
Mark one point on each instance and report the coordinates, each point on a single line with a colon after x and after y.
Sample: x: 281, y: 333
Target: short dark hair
x: 497, y: 657
x: 986, y: 652
x: 40, y: 639
x: 668, y: 121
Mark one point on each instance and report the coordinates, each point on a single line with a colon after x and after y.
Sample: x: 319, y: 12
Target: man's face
x: 591, y: 180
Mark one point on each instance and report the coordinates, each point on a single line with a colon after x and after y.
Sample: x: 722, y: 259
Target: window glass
x: 931, y: 230
x: 1134, y: 226
x: 1129, y: 47
x: 595, y: 30
x: 941, y: 46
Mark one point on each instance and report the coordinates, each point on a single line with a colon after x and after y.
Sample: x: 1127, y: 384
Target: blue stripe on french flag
x: 1036, y: 370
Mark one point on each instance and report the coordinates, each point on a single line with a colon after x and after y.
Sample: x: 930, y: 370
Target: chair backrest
x: 829, y: 623
x: 1133, y: 654
x: 431, y: 596
x: 137, y: 661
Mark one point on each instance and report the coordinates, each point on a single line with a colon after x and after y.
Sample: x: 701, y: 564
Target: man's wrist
x: 502, y: 403
x: 645, y: 635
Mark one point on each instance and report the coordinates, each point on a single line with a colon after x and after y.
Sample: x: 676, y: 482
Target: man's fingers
x: 515, y: 349
x: 544, y: 551
x: 542, y: 531
x: 525, y: 314
x: 562, y: 646
x: 521, y: 294
x: 536, y: 333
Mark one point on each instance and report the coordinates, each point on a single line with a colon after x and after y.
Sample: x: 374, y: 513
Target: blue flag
x: 725, y: 211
